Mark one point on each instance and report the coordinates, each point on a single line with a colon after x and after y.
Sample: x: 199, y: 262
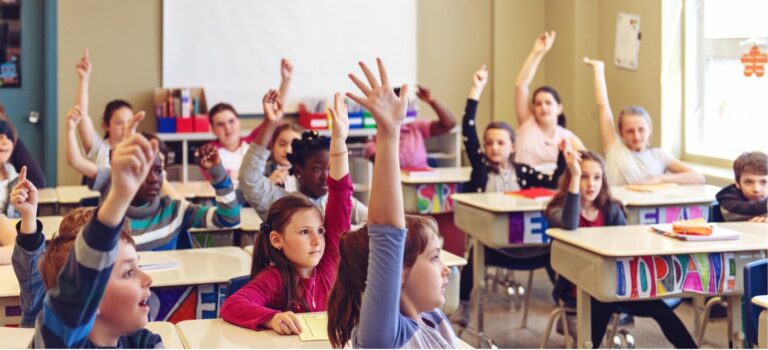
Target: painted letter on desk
x: 436, y: 198
x: 666, y: 215
x: 652, y: 276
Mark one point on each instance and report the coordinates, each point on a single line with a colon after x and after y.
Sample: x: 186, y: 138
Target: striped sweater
x: 69, y: 310
x: 158, y: 225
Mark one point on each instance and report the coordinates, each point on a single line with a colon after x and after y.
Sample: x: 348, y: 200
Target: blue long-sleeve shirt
x: 26, y: 255
x: 381, y: 323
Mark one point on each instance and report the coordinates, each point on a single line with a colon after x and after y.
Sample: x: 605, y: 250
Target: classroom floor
x: 502, y: 323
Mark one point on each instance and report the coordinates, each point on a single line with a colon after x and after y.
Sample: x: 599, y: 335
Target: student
x: 413, y: 151
x: 8, y: 178
x: 225, y: 124
x: 494, y: 170
x: 161, y: 222
x: 309, y: 159
x: 747, y: 199
x: 540, y: 124
x: 117, y: 114
x: 391, y: 280
x: 97, y: 294
x: 584, y: 200
x: 629, y: 157
x: 22, y: 157
x: 279, y: 167
x: 296, y: 255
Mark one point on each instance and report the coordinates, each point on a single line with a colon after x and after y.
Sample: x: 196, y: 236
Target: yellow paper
x: 314, y: 326
x: 649, y: 188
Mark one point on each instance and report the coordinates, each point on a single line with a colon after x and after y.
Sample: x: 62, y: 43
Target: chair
x: 612, y: 341
x: 755, y: 283
x: 236, y: 283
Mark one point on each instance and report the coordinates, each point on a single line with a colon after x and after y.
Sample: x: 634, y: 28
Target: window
x: 726, y: 112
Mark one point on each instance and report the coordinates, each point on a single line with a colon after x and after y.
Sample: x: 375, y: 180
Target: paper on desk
x: 649, y: 188
x: 718, y: 234
x: 314, y: 326
x: 151, y: 262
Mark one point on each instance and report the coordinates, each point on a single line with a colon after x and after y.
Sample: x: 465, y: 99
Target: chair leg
x: 614, y: 326
x: 527, y: 298
x: 553, y: 317
x: 705, y: 319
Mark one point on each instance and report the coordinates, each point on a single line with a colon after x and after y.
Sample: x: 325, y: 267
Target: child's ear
x: 276, y: 240
x: 296, y: 171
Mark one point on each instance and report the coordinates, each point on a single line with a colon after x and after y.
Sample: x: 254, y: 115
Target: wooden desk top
x: 74, y: 194
x: 673, y: 195
x: 499, y: 202
x: 448, y: 258
x: 438, y: 175
x: 196, y: 266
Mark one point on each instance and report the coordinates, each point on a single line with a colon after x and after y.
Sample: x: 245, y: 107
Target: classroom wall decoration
x: 665, y: 215
x: 10, y: 43
x: 754, y: 62
x: 176, y: 304
x: 626, y: 49
x: 436, y: 198
x: 653, y: 276
x: 528, y: 227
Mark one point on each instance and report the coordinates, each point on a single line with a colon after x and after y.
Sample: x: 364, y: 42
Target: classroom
x: 383, y: 174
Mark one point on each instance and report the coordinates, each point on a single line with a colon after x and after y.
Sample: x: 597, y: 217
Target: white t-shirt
x: 624, y: 166
x: 3, y: 195
x: 505, y: 180
x: 231, y: 160
x: 99, y: 153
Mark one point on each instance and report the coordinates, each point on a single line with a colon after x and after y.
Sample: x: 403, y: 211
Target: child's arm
x: 540, y: 47
x: 604, y: 113
x: 468, y: 123
x: 339, y: 184
x: 28, y: 249
x: 226, y: 213
x: 380, y: 319
x: 735, y: 207
x: 682, y: 174
x: 248, y: 306
x: 70, y: 308
x: 74, y: 158
x: 535, y: 178
x: 567, y: 217
x: 286, y: 74
x: 445, y: 122
x: 273, y: 114
x: 87, y: 132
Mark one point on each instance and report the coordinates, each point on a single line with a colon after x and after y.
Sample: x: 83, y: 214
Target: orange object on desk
x: 535, y: 193
x: 699, y: 227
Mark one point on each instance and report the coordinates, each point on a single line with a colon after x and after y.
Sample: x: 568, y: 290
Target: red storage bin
x: 184, y: 125
x: 312, y: 121
x: 201, y: 123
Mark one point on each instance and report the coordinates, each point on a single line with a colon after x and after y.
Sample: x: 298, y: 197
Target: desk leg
x: 735, y: 334
x: 762, y: 330
x: 184, y: 161
x: 478, y: 282
x: 583, y: 319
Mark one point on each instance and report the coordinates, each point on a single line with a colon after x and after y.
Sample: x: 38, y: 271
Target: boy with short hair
x: 747, y: 199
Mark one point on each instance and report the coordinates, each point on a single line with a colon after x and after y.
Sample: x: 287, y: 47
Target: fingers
x: 368, y: 75
x: 360, y: 85
x: 86, y: 53
x: 294, y: 323
x: 23, y: 174
x: 360, y: 100
x: 382, y: 72
x: 404, y: 93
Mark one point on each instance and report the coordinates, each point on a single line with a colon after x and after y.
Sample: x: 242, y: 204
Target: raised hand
x: 573, y: 160
x: 207, y: 156
x: 386, y: 108
x: 24, y: 199
x: 339, y: 119
x: 423, y: 94
x: 286, y: 69
x: 544, y: 42
x: 596, y: 64
x: 285, y: 323
x: 279, y: 176
x: 273, y: 107
x: 74, y: 116
x: 131, y: 161
x: 479, y: 80
x: 130, y: 128
x: 83, y: 67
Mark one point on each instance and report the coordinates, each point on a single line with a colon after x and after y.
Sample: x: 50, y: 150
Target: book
x: 718, y: 233
x: 157, y: 262
x: 314, y: 326
x: 535, y: 193
x: 417, y: 172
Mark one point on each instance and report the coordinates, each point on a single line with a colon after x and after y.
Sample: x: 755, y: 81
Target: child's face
x: 6, y: 148
x: 313, y: 175
x: 497, y: 145
x: 303, y: 239
x: 124, y: 307
x: 226, y: 127
x: 591, y: 180
x: 282, y: 146
x: 546, y: 108
x: 153, y: 184
x: 117, y: 123
x: 753, y: 186
x: 425, y: 282
x: 635, y: 132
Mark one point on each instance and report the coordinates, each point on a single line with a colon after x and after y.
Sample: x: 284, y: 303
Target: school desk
x: 631, y: 263
x: 50, y: 225
x: 762, y: 325
x: 47, y: 201
x: 219, y: 334
x: 70, y: 197
x: 16, y: 338
x: 193, y: 282
x: 667, y: 204
x: 10, y: 311
x: 167, y: 331
x: 429, y: 193
x: 195, y: 190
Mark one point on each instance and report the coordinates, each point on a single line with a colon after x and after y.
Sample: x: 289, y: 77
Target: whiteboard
x: 233, y: 48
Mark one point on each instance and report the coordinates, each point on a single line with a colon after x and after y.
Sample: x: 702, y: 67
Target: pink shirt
x: 262, y: 298
x: 413, y: 151
x: 533, y: 148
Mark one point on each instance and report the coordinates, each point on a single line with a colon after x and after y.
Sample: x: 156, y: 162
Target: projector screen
x: 233, y: 48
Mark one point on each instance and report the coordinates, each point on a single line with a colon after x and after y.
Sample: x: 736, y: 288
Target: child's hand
x: 24, y: 198
x: 595, y: 64
x: 340, y: 119
x: 386, y: 108
x: 279, y: 176
x: 131, y: 161
x: 130, y: 128
x: 273, y: 107
x: 83, y: 67
x: 207, y: 156
x: 423, y: 94
x: 760, y: 219
x: 480, y: 78
x: 573, y: 160
x: 544, y: 42
x: 74, y: 116
x: 285, y: 323
x: 286, y: 69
